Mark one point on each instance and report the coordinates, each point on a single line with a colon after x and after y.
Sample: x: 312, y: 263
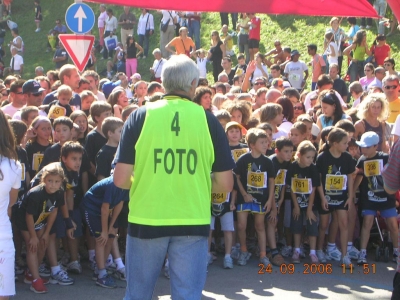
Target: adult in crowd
x: 216, y: 53
x: 140, y: 93
x: 261, y: 69
x: 391, y: 89
x: 154, y: 233
x: 389, y: 65
x: 275, y: 73
x: 45, y: 85
x: 338, y: 83
x: 317, y: 64
x: 372, y: 113
x: 60, y: 27
x: 193, y: 24
x: 296, y: 71
x: 145, y: 30
x: 338, y: 38
x: 124, y: 83
x: 10, y: 182
x: 170, y: 17
x: 181, y: 44
x: 357, y: 53
x: 93, y: 79
x: 60, y: 57
x: 127, y: 20
x: 157, y: 67
x: 380, y: 49
x: 254, y: 34
x: 39, y: 71
x: 227, y: 68
x: 353, y: 29
x: 259, y: 99
x: 110, y: 28
x: 16, y: 97
x: 277, y: 54
x: 16, y: 63
x: 332, y: 111
x: 243, y: 35
x: 117, y: 64
x: 298, y: 109
x: 52, y: 75
x: 68, y: 75
x: 133, y: 50
x: 34, y: 95
x: 202, y: 97
x: 288, y: 113
x: 356, y: 91
x: 101, y: 21
x: 369, y: 72
x: 379, y: 75
x: 17, y: 41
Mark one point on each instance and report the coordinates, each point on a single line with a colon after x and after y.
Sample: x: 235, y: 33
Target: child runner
x: 60, y: 107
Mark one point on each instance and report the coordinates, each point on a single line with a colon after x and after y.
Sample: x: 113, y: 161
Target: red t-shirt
x: 380, y: 53
x: 254, y: 32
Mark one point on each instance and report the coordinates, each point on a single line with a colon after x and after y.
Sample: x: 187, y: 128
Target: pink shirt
x: 317, y: 64
x: 102, y: 18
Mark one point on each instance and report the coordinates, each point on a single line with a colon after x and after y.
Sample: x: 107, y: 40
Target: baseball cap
x: 31, y: 86
x: 136, y: 76
x: 294, y: 52
x: 368, y: 139
x: 109, y: 86
x: 286, y: 84
x: 231, y: 124
x: 315, y: 130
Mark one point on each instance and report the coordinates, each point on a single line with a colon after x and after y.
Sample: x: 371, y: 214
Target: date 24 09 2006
x: 316, y: 269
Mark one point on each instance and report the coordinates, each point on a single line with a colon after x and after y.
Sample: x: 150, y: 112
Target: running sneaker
x: 321, y: 256
x: 228, y: 262
x: 74, y: 267
x: 38, y: 286
x: 243, y: 258
x: 314, y: 258
x: 120, y: 274
x: 44, y: 271
x: 95, y: 274
x: 362, y: 258
x: 335, y: 254
x: 166, y: 271
x: 353, y: 253
x: 111, y: 267
x: 106, y: 282
x: 277, y: 260
x: 235, y: 252
x: 395, y: 255
x: 296, y: 257
x: 346, y: 261
x: 92, y: 265
x: 64, y: 259
x: 18, y: 270
x: 28, y: 277
x: 265, y: 261
x: 287, y: 251
x: 61, y: 278
x: 210, y: 259
x: 302, y: 252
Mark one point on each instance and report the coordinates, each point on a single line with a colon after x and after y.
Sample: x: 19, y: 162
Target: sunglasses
x: 297, y: 107
x: 259, y: 83
x: 391, y: 87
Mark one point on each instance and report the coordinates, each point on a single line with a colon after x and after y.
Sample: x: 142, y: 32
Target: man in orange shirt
x: 182, y: 43
x: 318, y: 65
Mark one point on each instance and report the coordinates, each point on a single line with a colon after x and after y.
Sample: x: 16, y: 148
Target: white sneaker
x: 346, y: 261
x: 74, y: 267
x: 353, y: 253
x: 210, y: 259
x: 321, y: 256
x: 335, y: 254
x: 37, y: 30
x: 235, y: 252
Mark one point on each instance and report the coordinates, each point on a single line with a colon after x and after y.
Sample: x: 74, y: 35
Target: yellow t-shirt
x: 394, y: 110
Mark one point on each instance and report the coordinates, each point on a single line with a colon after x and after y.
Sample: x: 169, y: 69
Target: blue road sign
x: 80, y: 18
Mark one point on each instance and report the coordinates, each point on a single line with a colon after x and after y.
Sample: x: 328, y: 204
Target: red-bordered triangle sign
x: 78, y: 48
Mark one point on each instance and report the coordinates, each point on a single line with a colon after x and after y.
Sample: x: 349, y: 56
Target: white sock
x: 297, y: 250
x: 227, y: 255
x: 55, y: 270
x: 91, y: 255
x: 364, y: 251
x: 312, y: 252
x: 349, y: 246
x: 167, y: 262
x: 119, y: 263
x: 102, y: 273
x: 331, y: 246
x: 395, y: 250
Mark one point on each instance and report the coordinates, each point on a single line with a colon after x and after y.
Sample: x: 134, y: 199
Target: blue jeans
x: 194, y: 29
x: 356, y: 70
x: 187, y: 257
x: 144, y: 42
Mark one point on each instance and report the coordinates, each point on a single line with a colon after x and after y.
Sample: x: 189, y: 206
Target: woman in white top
x: 10, y: 182
x: 145, y: 30
x: 261, y: 69
x: 100, y: 24
x: 111, y: 25
x: 333, y: 49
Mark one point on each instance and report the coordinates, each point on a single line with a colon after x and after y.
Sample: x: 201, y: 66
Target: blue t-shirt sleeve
x: 49, y: 98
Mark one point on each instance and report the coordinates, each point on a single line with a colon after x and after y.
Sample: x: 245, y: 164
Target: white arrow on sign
x: 80, y: 14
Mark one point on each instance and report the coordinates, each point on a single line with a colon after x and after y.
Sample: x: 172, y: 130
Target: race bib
x: 301, y: 186
x: 294, y: 77
x: 257, y: 179
x: 56, y: 112
x: 336, y: 182
x: 219, y: 197
x: 37, y: 160
x: 238, y: 153
x: 23, y: 172
x: 280, y: 178
x: 373, y: 167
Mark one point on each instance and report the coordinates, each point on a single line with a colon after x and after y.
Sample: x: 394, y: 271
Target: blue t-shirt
x: 75, y: 101
x: 103, y: 191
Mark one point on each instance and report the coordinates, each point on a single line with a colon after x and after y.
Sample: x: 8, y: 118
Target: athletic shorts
x: 253, y: 43
x: 288, y: 213
x: 386, y: 213
x: 60, y: 229
x: 94, y: 224
x: 226, y: 222
x: 296, y: 226
x: 251, y: 207
x: 331, y: 208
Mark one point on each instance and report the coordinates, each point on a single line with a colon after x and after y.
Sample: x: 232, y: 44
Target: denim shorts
x: 251, y: 207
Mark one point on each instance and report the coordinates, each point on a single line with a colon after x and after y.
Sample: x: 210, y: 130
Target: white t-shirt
x: 167, y: 16
x: 12, y: 171
x: 295, y: 71
x: 257, y: 73
x: 278, y: 134
x: 158, y: 66
x: 332, y: 59
x: 9, y: 109
x: 396, y: 126
x: 202, y: 66
x: 286, y: 126
x: 100, y: 96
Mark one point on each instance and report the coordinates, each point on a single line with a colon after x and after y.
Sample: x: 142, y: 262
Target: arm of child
x: 116, y: 211
x: 105, y: 213
x: 247, y: 197
x: 33, y: 241
x: 50, y: 221
x: 69, y: 199
x: 281, y: 198
x: 324, y: 203
x: 269, y: 206
x: 233, y: 200
x: 296, y: 207
x: 310, y: 214
x: 350, y: 189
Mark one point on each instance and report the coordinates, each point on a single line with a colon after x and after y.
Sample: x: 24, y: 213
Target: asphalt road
x: 244, y: 282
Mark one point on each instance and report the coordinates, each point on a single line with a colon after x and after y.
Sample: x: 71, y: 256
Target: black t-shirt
x: 340, y: 86
x: 40, y: 204
x: 280, y: 175
x: 23, y: 159
x: 311, y: 172
x: 372, y: 193
x: 94, y: 141
x: 258, y: 170
x: 68, y: 109
x: 231, y: 75
x: 104, y: 159
x: 52, y: 154
x: 35, y: 153
x: 237, y: 154
x: 329, y: 165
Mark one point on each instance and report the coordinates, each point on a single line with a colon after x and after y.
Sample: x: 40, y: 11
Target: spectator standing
x: 339, y: 37
x: 127, y: 20
x: 380, y: 49
x: 93, y: 79
x: 296, y: 71
x: 356, y: 53
x: 217, y: 51
x: 101, y: 25
x: 254, y: 34
x: 225, y: 19
x: 367, y: 22
x: 157, y: 67
x: 317, y: 64
x: 60, y: 56
x: 16, y: 63
x: 38, y: 14
x: 182, y: 44
x: 131, y: 55
x: 391, y: 90
x: 193, y: 23
x: 353, y: 29
x: 17, y: 41
x: 145, y: 30
x: 170, y: 17
x: 243, y: 36
x: 111, y: 25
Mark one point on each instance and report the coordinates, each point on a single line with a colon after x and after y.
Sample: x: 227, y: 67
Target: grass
x: 293, y: 31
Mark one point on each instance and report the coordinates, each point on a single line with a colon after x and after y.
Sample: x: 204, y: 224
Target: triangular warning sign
x: 78, y: 48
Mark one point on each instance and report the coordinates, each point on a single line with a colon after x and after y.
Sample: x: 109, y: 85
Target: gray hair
x: 390, y: 78
x: 334, y: 65
x: 39, y: 69
x: 222, y: 75
x: 157, y: 50
x: 178, y: 74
